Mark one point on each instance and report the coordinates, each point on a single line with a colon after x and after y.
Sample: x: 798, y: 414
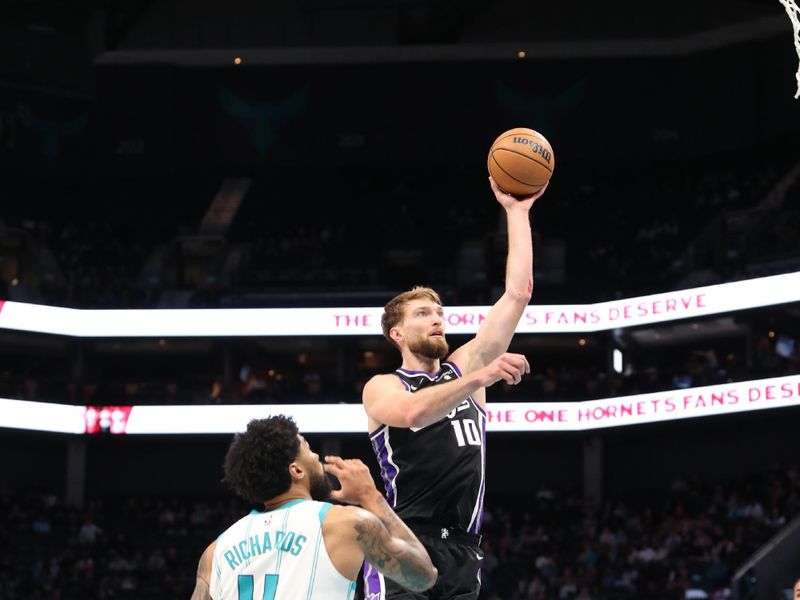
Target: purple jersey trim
x: 454, y: 365
x: 388, y: 470
x: 477, y: 406
x: 415, y: 373
x: 476, y: 526
x: 373, y: 584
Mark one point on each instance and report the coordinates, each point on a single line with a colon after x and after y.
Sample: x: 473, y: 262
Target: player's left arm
x: 202, y: 590
x: 497, y: 329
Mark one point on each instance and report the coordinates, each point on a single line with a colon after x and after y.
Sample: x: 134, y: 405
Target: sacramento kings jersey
x: 277, y: 555
x: 434, y: 475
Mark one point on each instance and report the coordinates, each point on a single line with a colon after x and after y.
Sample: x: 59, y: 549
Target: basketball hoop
x: 794, y: 14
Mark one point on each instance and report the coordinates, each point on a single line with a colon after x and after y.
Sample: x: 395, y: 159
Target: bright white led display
x: 701, y: 402
x: 574, y: 318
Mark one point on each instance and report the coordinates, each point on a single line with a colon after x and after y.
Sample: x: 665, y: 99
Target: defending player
x: 427, y: 420
x: 300, y: 547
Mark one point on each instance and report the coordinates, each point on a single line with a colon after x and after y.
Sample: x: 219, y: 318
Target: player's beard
x: 320, y: 487
x: 429, y: 347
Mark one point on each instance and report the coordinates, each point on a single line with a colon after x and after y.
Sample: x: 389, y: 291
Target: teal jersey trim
x: 326, y: 506
x: 314, y: 567
x: 285, y: 522
x: 247, y: 537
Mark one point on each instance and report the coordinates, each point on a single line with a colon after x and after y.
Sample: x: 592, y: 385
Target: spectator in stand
x: 89, y: 533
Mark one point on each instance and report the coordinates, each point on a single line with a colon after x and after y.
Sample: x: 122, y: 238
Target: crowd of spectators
x: 689, y: 537
x: 307, y: 378
x: 390, y: 229
x: 371, y: 232
x: 87, y: 243
x: 550, y: 545
x: 692, y: 536
x: 662, y: 370
x: 131, y: 548
x: 662, y: 226
x: 99, y: 264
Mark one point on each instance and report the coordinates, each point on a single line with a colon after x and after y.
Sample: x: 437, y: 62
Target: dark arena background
x: 327, y: 154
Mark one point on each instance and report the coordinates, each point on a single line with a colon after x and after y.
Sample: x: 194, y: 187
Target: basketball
x: 521, y: 161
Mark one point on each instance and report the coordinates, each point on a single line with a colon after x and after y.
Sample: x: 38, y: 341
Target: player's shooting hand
x: 357, y: 484
x: 510, y: 202
x: 507, y: 367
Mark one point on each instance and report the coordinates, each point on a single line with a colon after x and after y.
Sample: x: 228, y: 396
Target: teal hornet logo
x: 51, y: 133
x: 542, y: 112
x: 263, y: 117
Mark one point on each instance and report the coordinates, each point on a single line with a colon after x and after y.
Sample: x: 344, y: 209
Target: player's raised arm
x: 387, y: 543
x: 388, y: 402
x: 496, y: 331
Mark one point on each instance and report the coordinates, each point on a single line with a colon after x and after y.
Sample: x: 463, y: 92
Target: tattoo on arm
x: 394, y: 557
x: 370, y: 537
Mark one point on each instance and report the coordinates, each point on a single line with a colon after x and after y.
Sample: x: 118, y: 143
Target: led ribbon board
x: 42, y: 416
x: 708, y: 401
x: 578, y: 318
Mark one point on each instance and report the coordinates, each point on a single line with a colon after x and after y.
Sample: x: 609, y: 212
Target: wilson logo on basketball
x: 535, y: 148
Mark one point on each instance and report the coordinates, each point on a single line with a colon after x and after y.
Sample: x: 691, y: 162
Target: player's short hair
x: 258, y: 459
x: 393, y: 311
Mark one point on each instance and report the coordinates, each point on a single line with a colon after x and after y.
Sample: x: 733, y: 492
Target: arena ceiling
x: 55, y: 42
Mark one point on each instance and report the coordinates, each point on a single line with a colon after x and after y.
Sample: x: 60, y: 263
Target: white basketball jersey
x: 278, y: 555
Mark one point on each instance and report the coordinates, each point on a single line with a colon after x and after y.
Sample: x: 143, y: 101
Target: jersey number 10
x: 246, y: 587
x: 466, y: 432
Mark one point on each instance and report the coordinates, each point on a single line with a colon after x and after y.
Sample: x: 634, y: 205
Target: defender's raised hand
x: 357, y: 484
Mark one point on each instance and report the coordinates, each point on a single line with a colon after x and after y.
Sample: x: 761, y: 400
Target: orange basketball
x: 521, y: 161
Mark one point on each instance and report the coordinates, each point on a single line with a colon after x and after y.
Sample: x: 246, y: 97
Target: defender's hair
x: 257, y: 462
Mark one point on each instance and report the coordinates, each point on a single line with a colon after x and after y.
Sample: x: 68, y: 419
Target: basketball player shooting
x: 427, y: 420
x: 299, y: 546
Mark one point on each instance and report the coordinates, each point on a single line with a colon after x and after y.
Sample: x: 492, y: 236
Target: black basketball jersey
x: 435, y: 475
